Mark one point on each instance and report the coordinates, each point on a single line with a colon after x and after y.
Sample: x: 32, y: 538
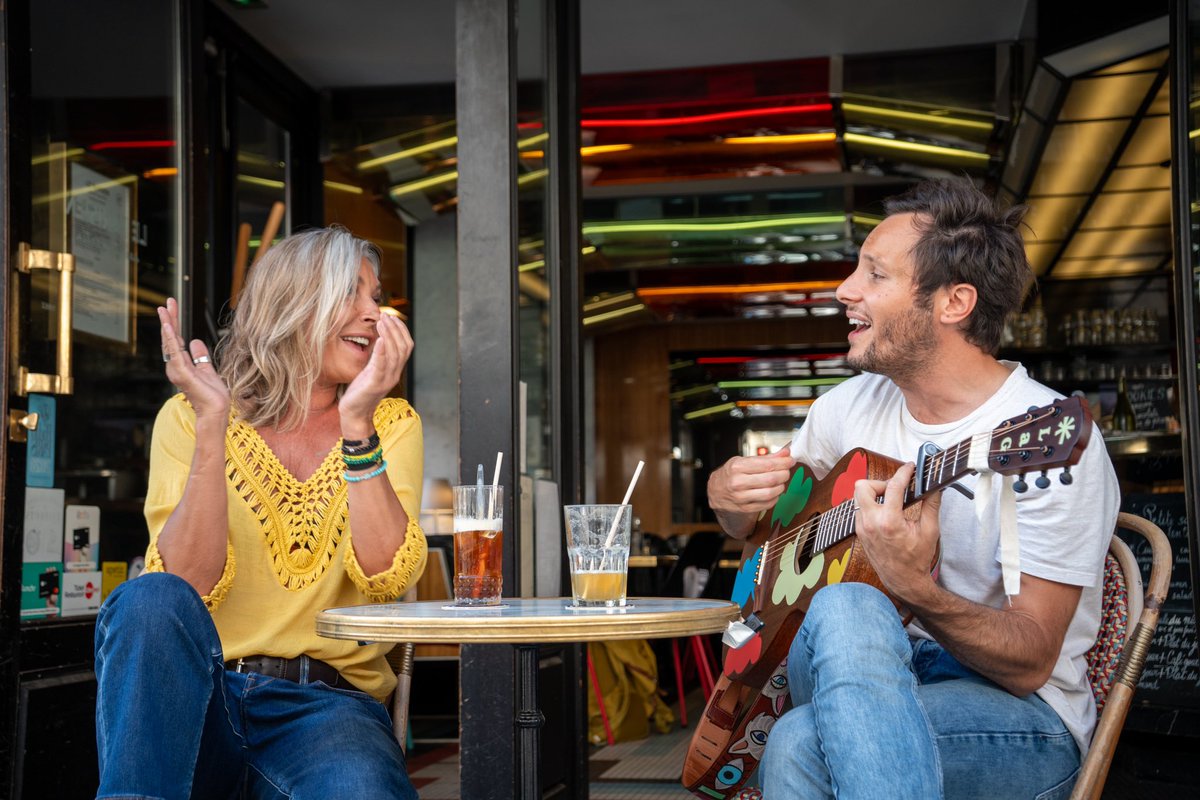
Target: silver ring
x: 200, y: 360
x: 166, y: 357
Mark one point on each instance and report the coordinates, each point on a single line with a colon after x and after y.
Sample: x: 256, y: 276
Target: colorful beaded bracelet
x: 358, y: 478
x: 370, y: 457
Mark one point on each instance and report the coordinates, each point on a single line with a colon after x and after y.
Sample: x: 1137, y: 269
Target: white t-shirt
x: 1064, y: 530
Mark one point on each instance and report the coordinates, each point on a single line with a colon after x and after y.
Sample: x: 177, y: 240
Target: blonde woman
x: 283, y: 480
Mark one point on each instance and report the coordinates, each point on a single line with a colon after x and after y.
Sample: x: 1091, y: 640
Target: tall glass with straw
x: 598, y: 551
x: 479, y: 541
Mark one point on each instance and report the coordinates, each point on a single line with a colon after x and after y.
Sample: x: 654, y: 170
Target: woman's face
x: 350, y: 348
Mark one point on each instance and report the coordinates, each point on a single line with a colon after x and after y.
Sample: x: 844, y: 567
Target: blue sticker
x: 39, y: 461
x: 743, y: 584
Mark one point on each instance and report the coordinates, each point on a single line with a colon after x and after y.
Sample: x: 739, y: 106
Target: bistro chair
x: 1116, y: 660
x: 701, y: 553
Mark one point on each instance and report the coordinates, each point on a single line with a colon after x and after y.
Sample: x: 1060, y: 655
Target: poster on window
x: 98, y: 208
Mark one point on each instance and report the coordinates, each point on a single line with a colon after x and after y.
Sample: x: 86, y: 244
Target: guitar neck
x: 940, y: 470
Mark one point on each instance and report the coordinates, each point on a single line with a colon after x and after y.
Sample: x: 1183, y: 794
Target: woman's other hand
x: 382, y: 372
x: 190, y: 368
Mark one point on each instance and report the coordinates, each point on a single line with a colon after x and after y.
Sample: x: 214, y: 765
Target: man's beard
x: 900, y: 348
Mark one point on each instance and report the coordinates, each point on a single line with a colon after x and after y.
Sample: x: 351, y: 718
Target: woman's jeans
x: 878, y: 714
x: 171, y: 722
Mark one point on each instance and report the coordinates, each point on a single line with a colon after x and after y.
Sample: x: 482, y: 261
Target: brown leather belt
x: 301, y: 669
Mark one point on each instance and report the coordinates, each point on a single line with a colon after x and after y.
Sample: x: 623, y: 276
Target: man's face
x: 892, y: 332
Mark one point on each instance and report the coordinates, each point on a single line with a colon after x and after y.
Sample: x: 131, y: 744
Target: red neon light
x: 145, y: 144
x: 700, y: 118
x: 662, y: 122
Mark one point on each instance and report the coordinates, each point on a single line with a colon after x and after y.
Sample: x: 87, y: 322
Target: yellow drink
x: 599, y: 588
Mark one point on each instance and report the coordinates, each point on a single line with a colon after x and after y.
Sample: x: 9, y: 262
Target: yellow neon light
x: 256, y: 181
x: 343, y: 187
x: 608, y: 301
x: 665, y: 226
x: 161, y: 172
x: 74, y: 151
x: 617, y: 312
x: 915, y: 116
x: 794, y: 138
x: 95, y: 187
x: 917, y: 147
x: 424, y: 183
x: 379, y: 161
x: 530, y: 266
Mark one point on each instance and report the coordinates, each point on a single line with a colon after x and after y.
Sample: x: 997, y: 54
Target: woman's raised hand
x: 190, y: 368
x: 382, y: 372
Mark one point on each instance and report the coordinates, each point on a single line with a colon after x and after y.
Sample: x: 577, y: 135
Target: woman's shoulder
x: 393, y: 411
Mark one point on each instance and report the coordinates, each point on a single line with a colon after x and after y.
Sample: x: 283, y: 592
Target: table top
x: 525, y: 621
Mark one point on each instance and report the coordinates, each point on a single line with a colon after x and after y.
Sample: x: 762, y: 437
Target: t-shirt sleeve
x: 400, y: 436
x: 171, y: 447
x: 817, y: 442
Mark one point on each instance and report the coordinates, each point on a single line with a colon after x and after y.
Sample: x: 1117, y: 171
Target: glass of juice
x: 598, y: 553
x: 478, y: 545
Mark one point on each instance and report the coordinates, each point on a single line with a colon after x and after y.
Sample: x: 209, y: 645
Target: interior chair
x: 698, y: 557
x: 1118, y: 656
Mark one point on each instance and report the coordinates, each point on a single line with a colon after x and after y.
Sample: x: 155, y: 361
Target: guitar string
x: 804, y: 532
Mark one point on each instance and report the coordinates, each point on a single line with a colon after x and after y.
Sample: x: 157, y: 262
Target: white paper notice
x: 43, y: 524
x: 99, y: 211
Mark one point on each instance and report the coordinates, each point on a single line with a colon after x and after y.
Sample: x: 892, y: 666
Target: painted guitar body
x: 807, y: 542
x: 752, y: 690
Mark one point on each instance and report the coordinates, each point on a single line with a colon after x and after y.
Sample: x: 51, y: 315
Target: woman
x: 283, y: 480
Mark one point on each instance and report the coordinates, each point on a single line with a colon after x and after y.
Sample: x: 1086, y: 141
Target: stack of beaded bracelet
x: 363, y: 454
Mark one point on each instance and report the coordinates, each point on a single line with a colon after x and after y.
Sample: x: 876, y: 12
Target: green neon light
x: 704, y: 412
x: 682, y: 393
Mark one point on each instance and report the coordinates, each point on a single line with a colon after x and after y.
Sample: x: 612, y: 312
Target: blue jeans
x: 878, y: 714
x: 171, y: 722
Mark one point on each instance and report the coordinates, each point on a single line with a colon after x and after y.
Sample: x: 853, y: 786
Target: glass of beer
x: 598, y: 553
x: 478, y: 545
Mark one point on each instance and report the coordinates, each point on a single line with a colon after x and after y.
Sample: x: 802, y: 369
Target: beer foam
x: 469, y: 524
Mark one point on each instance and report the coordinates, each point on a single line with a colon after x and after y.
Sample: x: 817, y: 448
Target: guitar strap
x: 1010, y: 541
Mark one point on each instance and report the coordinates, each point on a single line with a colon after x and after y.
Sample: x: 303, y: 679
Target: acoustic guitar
x: 807, y: 542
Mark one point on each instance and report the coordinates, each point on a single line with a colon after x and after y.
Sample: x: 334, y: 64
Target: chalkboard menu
x: 1151, y: 401
x: 1172, y: 674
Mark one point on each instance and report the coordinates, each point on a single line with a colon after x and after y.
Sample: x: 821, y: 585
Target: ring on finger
x: 201, y: 360
x: 166, y: 357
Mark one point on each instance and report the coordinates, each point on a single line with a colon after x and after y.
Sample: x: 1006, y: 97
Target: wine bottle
x: 1123, y: 419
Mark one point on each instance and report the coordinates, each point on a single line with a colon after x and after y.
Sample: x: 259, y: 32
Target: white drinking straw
x: 612, y: 532
x: 495, y: 483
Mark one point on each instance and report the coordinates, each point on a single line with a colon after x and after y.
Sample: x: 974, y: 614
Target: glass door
x: 94, y: 225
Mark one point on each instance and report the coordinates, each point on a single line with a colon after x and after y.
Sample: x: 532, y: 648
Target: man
x: 985, y: 694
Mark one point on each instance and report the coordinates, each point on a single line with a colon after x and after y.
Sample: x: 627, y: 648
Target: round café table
x: 525, y: 623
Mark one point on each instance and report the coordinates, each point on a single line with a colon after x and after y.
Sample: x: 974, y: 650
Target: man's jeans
x: 878, y: 714
x: 171, y: 722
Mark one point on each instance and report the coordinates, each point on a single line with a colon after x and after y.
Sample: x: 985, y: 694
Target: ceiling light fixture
x: 916, y: 116
x: 736, y: 289
x: 704, y: 412
x: 917, y: 147
x: 616, y: 312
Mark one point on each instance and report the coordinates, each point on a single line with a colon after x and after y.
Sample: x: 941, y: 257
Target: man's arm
x: 745, y: 486
x: 1016, y: 646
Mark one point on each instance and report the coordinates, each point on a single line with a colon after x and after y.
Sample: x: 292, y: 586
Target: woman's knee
x: 153, y: 604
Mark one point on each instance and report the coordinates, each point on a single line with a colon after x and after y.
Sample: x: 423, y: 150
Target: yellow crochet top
x: 289, y: 549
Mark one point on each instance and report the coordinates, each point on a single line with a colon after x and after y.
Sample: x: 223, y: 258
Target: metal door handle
x: 62, y: 382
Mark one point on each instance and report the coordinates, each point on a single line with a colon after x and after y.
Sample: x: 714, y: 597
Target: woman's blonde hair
x: 291, y: 306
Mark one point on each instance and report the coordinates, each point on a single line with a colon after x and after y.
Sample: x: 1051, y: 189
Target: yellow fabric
x: 628, y: 676
x: 290, y: 553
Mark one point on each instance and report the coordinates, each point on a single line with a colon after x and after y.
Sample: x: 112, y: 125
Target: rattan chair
x: 1116, y: 660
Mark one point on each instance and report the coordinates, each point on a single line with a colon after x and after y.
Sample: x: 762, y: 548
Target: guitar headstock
x: 1042, y: 438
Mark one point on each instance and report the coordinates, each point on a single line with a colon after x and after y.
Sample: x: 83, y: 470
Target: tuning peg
x: 1042, y: 481
x: 1065, y: 477
x: 1019, y: 485
x: 1032, y: 409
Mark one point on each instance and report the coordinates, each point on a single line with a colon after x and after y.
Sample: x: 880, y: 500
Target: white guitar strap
x: 1010, y: 541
